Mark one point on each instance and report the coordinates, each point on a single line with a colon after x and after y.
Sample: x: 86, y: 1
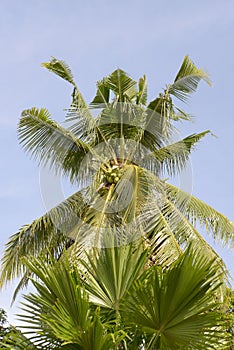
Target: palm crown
x: 119, y: 264
x: 119, y: 158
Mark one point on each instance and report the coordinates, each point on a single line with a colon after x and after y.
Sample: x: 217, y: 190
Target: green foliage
x: 15, y: 340
x: 137, y: 140
x: 3, y: 317
x: 3, y: 321
x: 120, y: 302
x: 110, y: 272
x: 61, y: 312
x: 187, y: 80
x: 176, y: 307
x: 52, y: 144
x: 60, y: 68
x: 120, y: 264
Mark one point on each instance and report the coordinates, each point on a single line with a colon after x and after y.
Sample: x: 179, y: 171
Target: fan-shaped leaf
x: 177, y: 307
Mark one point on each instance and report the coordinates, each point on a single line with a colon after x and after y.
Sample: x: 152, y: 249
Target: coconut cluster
x: 111, y: 175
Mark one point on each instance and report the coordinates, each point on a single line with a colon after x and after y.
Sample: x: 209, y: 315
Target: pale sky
x: 94, y: 38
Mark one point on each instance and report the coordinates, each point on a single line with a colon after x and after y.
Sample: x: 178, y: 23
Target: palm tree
x: 119, y: 158
x: 114, y: 300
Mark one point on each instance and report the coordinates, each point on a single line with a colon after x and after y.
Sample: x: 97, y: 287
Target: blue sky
x: 94, y: 38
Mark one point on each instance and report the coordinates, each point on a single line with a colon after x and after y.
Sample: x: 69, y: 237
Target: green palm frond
x: 116, y: 204
x: 196, y: 211
x: 186, y: 234
x: 187, y: 80
x: 176, y: 308
x: 96, y: 336
x: 81, y: 125
x: 158, y: 231
x: 50, y: 233
x: 121, y: 120
x: 123, y: 86
x: 50, y: 143
x: 60, y: 308
x: 159, y: 116
x: 130, y: 122
x: 61, y: 69
x: 172, y: 158
x: 15, y: 340
x: 111, y: 271
x: 130, y: 193
x: 80, y: 122
x: 179, y: 114
x: 60, y: 311
x: 23, y: 283
x: 102, y: 95
x: 169, y: 230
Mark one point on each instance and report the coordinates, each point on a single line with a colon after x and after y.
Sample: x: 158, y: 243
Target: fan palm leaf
x: 60, y: 314
x: 163, y: 308
x: 176, y: 308
x: 111, y: 271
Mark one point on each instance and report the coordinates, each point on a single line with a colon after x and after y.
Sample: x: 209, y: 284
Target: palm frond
x: 102, y: 95
x: 15, y: 340
x: 176, y: 307
x: 50, y: 233
x: 23, y: 283
x: 121, y: 120
x: 78, y: 101
x: 81, y: 123
x: 187, y: 235
x: 159, y: 114
x: 123, y: 86
x: 60, y: 306
x: 164, y: 220
x: 172, y: 158
x: 60, y: 311
x: 159, y: 233
x: 181, y: 114
x: 196, y: 211
x: 61, y: 69
x: 187, y: 79
x: 50, y: 143
x: 111, y: 271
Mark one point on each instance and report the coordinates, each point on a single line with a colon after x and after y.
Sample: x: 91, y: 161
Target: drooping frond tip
x: 60, y: 68
x: 187, y: 79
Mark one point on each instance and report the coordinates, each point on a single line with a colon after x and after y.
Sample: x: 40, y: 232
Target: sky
x: 94, y: 38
